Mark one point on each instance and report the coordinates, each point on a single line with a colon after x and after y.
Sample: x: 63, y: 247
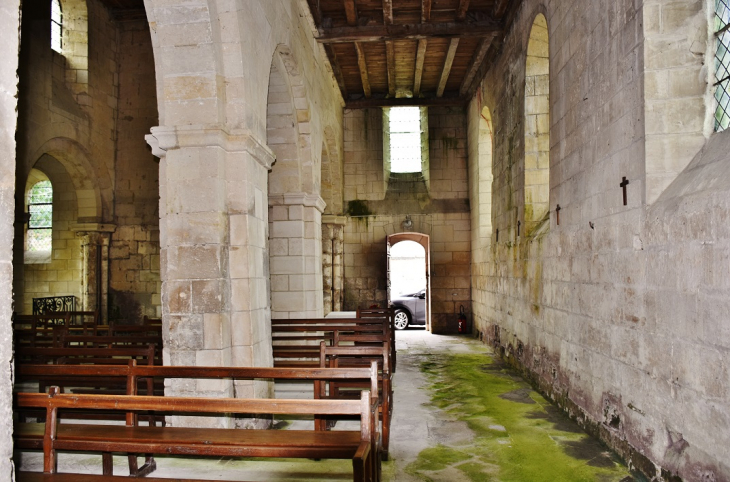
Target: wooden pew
x: 80, y: 355
x: 41, y: 477
x: 134, y: 376
x: 360, y: 446
x: 355, y: 356
x: 295, y: 342
x: 379, y: 313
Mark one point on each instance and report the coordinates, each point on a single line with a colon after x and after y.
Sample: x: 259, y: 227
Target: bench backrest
x: 132, y: 372
x: 53, y: 401
x: 131, y: 403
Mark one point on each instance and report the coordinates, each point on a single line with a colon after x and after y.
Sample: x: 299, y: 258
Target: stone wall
x: 377, y: 208
x: 617, y: 313
x: 134, y: 257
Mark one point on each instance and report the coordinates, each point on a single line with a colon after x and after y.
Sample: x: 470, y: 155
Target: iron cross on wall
x: 624, y: 183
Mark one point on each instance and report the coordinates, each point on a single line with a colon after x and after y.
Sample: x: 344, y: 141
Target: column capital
x: 165, y: 138
x: 297, y: 199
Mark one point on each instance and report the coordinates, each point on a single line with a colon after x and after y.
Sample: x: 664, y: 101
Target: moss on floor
x: 518, y: 435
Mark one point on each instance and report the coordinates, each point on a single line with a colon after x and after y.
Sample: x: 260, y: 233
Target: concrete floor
x: 417, y: 425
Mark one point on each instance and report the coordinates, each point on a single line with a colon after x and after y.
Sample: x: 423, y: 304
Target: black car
x: 410, y: 309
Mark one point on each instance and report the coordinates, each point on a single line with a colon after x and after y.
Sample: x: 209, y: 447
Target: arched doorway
x: 424, y: 241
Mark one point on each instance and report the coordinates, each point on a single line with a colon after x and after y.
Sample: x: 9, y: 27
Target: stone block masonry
x: 608, y: 312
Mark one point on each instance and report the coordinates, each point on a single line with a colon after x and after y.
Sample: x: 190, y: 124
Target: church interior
x: 219, y: 164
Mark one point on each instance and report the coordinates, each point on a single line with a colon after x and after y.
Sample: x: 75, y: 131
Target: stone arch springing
x: 288, y: 128
x: 537, y: 125
x: 331, y: 178
x: 295, y: 206
x: 92, y: 186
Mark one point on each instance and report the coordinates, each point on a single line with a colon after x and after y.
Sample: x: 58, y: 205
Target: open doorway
x: 408, y: 279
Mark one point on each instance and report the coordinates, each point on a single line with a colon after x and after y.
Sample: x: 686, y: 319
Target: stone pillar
x: 295, y: 235
x: 213, y: 218
x: 95, y: 267
x: 333, y: 241
x: 9, y: 46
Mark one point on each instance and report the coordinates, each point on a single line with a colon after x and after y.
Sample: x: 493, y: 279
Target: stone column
x: 213, y: 218
x: 333, y: 240
x: 95, y: 267
x: 295, y: 235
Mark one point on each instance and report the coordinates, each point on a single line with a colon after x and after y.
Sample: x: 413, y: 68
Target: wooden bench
x: 80, y: 355
x: 41, y: 477
x: 135, y: 377
x: 357, y: 356
x: 388, y: 313
x: 360, y: 446
x: 295, y: 342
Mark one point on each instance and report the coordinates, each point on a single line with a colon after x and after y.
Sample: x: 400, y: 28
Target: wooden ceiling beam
x: 420, y: 58
x: 447, y: 66
x: 500, y: 7
x: 362, y: 63
x: 388, y: 12
x: 461, y: 11
x: 425, y: 11
x: 389, y: 47
x: 381, y: 33
x: 350, y: 12
x: 390, y: 59
x: 404, y: 102
x: 476, y: 62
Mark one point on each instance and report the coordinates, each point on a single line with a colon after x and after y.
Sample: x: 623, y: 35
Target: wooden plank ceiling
x: 410, y: 52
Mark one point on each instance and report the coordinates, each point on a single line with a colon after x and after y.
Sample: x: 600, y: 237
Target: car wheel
x: 401, y: 319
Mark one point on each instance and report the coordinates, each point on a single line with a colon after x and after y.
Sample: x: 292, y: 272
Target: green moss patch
x: 519, y: 436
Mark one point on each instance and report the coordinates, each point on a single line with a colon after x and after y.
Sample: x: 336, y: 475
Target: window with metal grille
x: 722, y: 64
x: 56, y: 24
x: 405, y: 139
x: 40, y: 208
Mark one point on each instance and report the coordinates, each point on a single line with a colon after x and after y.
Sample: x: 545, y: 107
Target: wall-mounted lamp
x: 408, y: 223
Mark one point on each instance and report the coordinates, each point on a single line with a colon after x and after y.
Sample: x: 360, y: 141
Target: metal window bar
x: 722, y: 64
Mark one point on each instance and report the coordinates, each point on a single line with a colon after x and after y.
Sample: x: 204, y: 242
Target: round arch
x: 288, y: 127
x: 91, y: 205
x: 537, y: 125
x: 425, y: 241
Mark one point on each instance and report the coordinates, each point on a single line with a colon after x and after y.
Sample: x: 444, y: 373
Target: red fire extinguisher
x: 462, y: 321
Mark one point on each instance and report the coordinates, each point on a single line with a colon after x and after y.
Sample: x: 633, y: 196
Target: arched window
x: 56, y: 26
x: 722, y: 64
x: 537, y: 125
x: 40, y: 226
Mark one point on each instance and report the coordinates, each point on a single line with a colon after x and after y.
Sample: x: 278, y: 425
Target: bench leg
x: 107, y: 463
x: 148, y: 467
x: 386, y: 432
